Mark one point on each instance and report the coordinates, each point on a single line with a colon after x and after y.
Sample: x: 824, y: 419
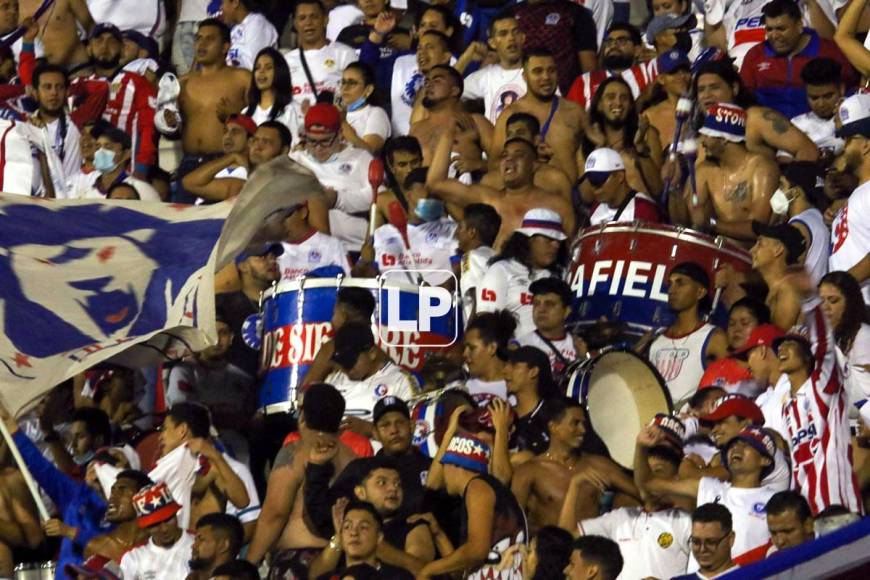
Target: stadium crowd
x: 511, y: 134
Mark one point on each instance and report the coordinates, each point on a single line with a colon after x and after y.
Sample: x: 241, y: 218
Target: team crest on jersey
x: 314, y: 256
x: 431, y: 237
x: 669, y: 362
x: 552, y: 19
x: 665, y: 540
x: 758, y: 508
x: 381, y: 390
x: 344, y: 168
x: 421, y: 430
x: 329, y: 64
x: 411, y: 88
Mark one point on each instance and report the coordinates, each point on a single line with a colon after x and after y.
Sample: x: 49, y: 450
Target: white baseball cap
x: 601, y: 163
x: 855, y: 116
x: 543, y: 222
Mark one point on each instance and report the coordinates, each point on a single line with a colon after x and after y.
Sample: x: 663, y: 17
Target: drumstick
x: 690, y: 150
x: 376, y: 179
x: 684, y: 109
x: 397, y: 216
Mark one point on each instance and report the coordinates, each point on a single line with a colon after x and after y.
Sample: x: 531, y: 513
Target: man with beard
x: 562, y: 121
x: 218, y: 540
x: 682, y: 351
x: 206, y: 98
x: 519, y: 195
x: 614, y: 123
x: 850, y: 234
x: 734, y: 186
x: 50, y: 88
x: 130, y: 107
x: 541, y: 484
x: 619, y: 54
x: 442, y: 92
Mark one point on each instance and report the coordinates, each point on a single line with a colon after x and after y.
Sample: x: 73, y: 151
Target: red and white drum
x: 619, y: 271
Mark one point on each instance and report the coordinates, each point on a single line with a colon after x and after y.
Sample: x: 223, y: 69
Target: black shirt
x: 236, y: 308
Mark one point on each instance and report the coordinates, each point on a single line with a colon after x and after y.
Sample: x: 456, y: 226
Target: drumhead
x: 622, y: 392
x: 337, y: 282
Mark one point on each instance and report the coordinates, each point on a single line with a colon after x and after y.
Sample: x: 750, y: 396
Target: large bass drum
x: 622, y: 392
x: 619, y: 271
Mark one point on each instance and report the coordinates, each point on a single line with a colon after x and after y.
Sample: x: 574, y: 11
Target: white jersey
x: 565, y: 347
x: 855, y: 375
x: 177, y: 470
x: 482, y: 390
x: 817, y: 420
x: 820, y: 131
x: 506, y: 286
x: 326, y: 65
x: 498, y: 87
x: 347, y: 172
x: 474, y: 265
x: 151, y: 562
x: 771, y: 401
x: 653, y: 544
x: 681, y: 360
x: 249, y: 37
x: 640, y: 207
x: 818, y: 254
x: 341, y: 17
x: 748, y: 514
x: 370, y: 120
x: 149, y: 18
x: 432, y: 246
x: 84, y: 186
x: 360, y: 396
x: 317, y: 250
x: 850, y: 234
x: 251, y: 512
x: 64, y: 137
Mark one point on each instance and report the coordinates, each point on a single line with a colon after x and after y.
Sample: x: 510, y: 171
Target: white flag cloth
x: 83, y: 280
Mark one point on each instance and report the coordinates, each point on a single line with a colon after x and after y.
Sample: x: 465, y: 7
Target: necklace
x: 570, y: 467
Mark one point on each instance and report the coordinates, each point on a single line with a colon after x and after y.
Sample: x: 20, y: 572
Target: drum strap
x: 624, y: 205
x: 565, y: 362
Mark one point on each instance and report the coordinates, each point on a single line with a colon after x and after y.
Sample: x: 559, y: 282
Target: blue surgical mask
x: 104, y: 160
x: 357, y: 104
x: 84, y: 459
x: 429, y: 209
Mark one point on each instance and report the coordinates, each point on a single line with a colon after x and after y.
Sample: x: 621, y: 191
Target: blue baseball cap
x: 276, y: 249
x: 671, y: 60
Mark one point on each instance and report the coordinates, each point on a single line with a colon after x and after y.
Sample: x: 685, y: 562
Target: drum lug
x: 617, y: 308
x: 673, y: 252
x: 596, y: 249
x: 632, y: 246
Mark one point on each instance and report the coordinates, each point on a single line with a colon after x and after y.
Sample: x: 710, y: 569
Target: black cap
x: 788, y: 235
x: 388, y: 404
x: 106, y: 27
x: 113, y: 134
x: 693, y: 270
x: 269, y: 248
x: 146, y: 43
x: 802, y: 342
x: 352, y: 339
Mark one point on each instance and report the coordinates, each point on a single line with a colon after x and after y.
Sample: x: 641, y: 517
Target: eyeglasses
x: 321, y: 142
x: 620, y: 40
x: 707, y: 543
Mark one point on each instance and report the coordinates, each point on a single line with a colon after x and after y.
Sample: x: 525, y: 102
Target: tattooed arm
x: 779, y: 134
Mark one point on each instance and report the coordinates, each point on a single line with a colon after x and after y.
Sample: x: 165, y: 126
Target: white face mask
x: 779, y: 202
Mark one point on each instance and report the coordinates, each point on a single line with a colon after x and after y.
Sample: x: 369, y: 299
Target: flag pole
x: 25, y: 472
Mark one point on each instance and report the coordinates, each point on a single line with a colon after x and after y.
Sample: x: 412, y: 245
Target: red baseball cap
x: 243, y: 121
x: 325, y: 116
x: 762, y: 335
x: 734, y: 405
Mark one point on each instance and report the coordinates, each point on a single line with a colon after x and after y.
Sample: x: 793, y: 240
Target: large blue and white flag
x: 82, y: 281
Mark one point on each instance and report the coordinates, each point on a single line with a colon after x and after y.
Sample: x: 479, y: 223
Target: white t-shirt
x: 820, y: 131
x: 771, y: 401
x: 652, y: 543
x: 315, y: 251
x: 850, y: 234
x: 151, y: 562
x: 341, y: 17
x: 506, y: 286
x: 370, y: 120
x: 148, y: 17
x: 564, y: 345
x: 252, y: 511
x: 249, y: 37
x: 747, y: 507
x: 497, y: 86
x: 477, y: 387
x: 474, y: 265
x: 347, y: 172
x: 83, y: 186
x: 68, y: 145
x: 193, y: 10
x: 360, y: 396
x: 855, y: 376
x: 432, y: 245
x: 326, y: 65
x: 177, y: 470
x: 819, y: 252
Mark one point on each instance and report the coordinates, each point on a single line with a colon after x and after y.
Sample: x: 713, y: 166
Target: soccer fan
x: 316, y: 64
x: 140, y: 54
x: 50, y: 90
x: 401, y: 155
x: 850, y: 235
x: 364, y: 124
x: 476, y: 233
x: 270, y: 96
x: 250, y: 32
x: 542, y: 483
x: 673, y: 82
x: 552, y: 300
x: 823, y: 78
x: 485, y: 352
x: 682, y: 351
x: 224, y: 177
x: 772, y: 69
x: 675, y: 30
x: 789, y: 520
x: 305, y: 249
x: 60, y: 39
x: 168, y: 551
x: 777, y: 249
x: 846, y: 36
x: 615, y: 199
x: 218, y: 538
x: 712, y: 541
x: 530, y: 381
x: 594, y: 558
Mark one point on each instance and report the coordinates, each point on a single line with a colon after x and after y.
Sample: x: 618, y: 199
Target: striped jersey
x: 131, y: 105
x: 638, y: 77
x: 816, y: 418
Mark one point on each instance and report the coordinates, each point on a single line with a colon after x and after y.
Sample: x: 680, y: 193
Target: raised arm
x: 846, y: 38
x: 201, y: 181
x: 450, y: 191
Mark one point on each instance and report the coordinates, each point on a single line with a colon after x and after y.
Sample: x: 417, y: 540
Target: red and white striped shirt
x: 131, y: 104
x: 638, y: 77
x: 817, y: 420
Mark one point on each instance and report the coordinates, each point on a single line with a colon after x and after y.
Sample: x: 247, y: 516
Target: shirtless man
x: 441, y: 98
x: 519, y: 195
x: 541, y: 483
x: 282, y: 527
x: 59, y: 30
x: 120, y: 512
x: 20, y: 523
x: 209, y: 95
x: 562, y: 121
x: 777, y: 249
x: 767, y: 131
x: 547, y: 177
x: 734, y: 185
